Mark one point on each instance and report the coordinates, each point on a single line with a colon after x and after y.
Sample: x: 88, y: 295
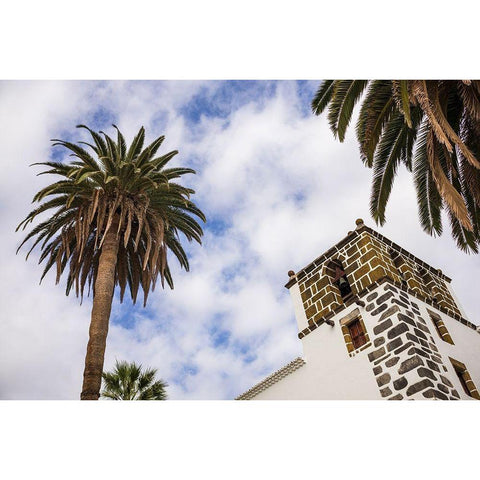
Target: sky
x: 277, y: 189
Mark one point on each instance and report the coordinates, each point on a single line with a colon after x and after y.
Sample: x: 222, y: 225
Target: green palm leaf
x: 128, y: 382
x: 388, y: 156
x: 374, y: 114
x: 346, y: 96
x: 323, y: 96
x: 429, y: 201
x: 136, y: 146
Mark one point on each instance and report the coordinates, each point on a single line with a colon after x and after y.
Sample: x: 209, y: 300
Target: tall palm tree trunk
x: 102, y: 306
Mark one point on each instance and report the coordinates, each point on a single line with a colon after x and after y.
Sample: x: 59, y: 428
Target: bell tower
x: 376, y: 322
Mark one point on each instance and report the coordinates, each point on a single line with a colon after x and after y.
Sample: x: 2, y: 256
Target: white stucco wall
x: 298, y: 308
x: 330, y: 373
x: 465, y: 350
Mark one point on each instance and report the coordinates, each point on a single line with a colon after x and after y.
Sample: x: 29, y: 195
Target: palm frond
x: 136, y: 146
x: 451, y: 196
x: 345, y: 95
x: 428, y: 198
x: 128, y: 382
x: 323, y: 96
x: 375, y: 112
x: 388, y: 156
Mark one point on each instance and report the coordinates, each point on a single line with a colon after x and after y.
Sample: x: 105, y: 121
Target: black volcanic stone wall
x: 407, y: 365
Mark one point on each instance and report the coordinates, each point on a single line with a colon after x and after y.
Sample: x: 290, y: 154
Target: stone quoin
x: 376, y: 322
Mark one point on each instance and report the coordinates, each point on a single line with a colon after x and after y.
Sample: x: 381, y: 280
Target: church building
x: 376, y: 322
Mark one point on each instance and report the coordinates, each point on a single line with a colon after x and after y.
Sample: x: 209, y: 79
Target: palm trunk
x: 102, y: 306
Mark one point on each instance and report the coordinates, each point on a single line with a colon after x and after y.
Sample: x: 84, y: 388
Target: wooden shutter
x: 357, y: 334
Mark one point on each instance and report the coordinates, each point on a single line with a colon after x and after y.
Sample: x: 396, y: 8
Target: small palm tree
x: 128, y: 382
x: 115, y: 216
x: 433, y: 128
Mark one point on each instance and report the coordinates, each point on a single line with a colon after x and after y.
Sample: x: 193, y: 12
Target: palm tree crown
x: 433, y: 128
x: 128, y: 382
x: 129, y: 190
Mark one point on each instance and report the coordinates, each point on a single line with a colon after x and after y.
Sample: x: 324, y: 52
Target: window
x: 354, y: 332
x: 462, y: 381
x: 357, y: 334
x: 440, y: 327
x: 465, y: 379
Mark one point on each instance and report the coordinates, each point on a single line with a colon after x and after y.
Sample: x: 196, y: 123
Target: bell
x: 342, y: 282
x: 339, y: 273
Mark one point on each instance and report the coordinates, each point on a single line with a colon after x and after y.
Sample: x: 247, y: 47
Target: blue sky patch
x: 228, y: 97
x: 102, y: 119
x: 217, y: 225
x: 219, y: 337
x: 306, y: 90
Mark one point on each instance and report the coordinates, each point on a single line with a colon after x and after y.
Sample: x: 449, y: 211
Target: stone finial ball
x: 291, y: 273
x: 359, y: 221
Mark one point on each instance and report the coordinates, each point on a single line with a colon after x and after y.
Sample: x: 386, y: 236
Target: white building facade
x: 376, y: 322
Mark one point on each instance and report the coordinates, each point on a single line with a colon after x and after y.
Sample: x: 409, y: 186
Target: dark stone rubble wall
x: 406, y: 362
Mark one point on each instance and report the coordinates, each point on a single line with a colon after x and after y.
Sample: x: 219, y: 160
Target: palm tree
x: 433, y: 128
x: 128, y: 382
x: 116, y: 215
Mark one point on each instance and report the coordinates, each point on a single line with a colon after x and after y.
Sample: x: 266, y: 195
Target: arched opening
x: 339, y: 279
x: 399, y: 262
x: 429, y: 285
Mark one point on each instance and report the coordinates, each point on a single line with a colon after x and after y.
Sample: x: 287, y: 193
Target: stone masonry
x: 408, y: 364
x: 367, y: 257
